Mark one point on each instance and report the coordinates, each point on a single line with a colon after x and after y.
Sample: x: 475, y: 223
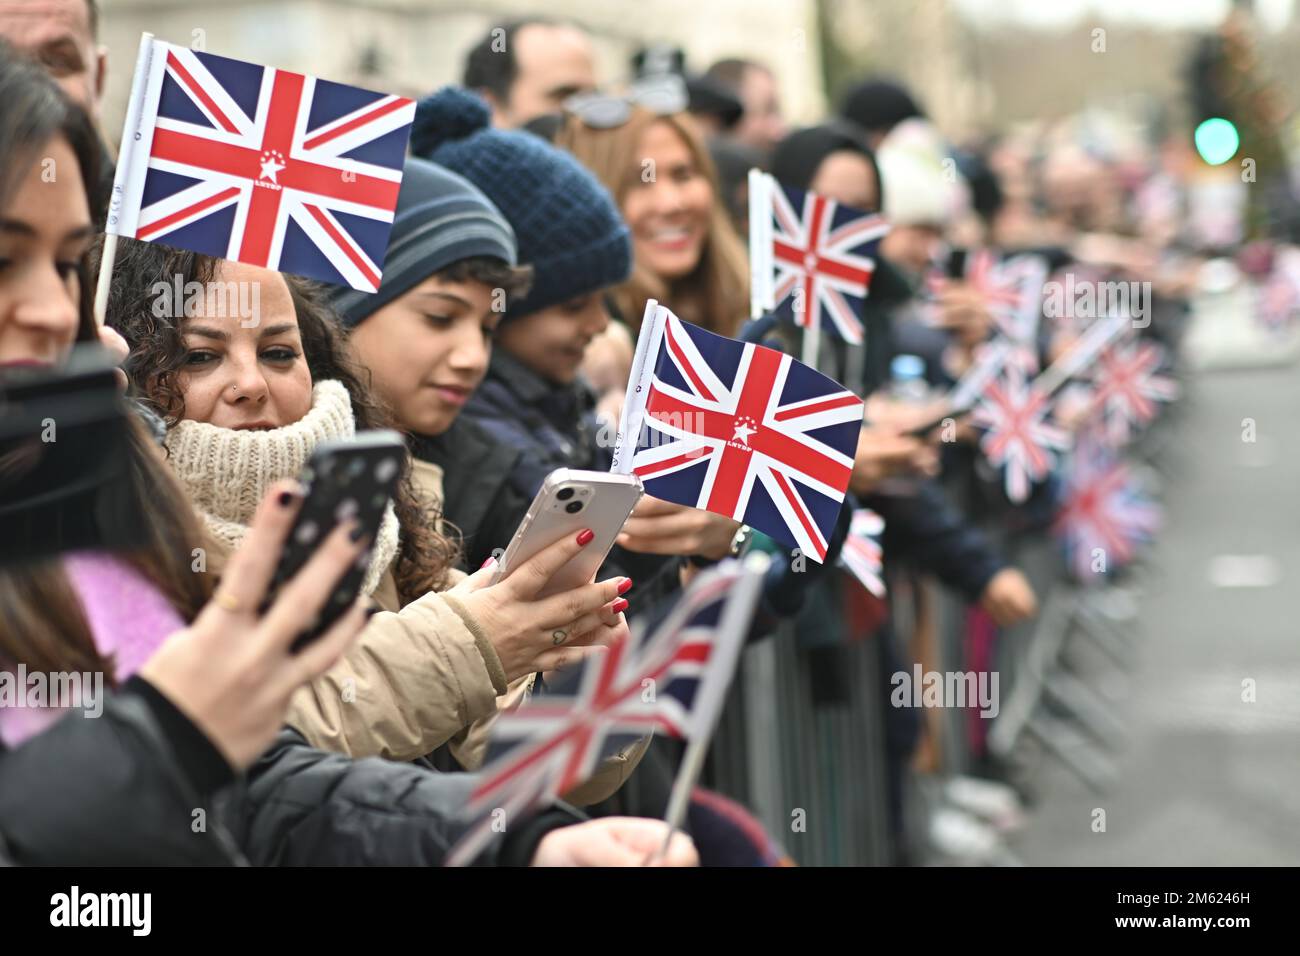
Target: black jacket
x: 926, y: 530
x: 479, y: 499
x: 118, y: 790
x: 300, y: 806
x: 142, y: 786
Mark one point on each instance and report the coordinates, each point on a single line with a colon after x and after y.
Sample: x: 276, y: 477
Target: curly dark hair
x: 158, y: 354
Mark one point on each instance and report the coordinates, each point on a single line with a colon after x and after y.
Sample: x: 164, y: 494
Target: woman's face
x: 244, y: 367
x: 428, y: 350
x: 44, y: 232
x: 847, y: 177
x: 668, y: 215
x: 552, y: 342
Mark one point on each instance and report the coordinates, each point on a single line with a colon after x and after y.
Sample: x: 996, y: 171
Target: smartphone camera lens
x: 573, y: 507
x: 564, y: 494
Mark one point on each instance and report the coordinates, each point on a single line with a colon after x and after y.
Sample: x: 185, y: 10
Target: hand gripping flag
x: 1105, y: 516
x: 264, y: 166
x: 862, y: 554
x: 811, y: 258
x: 1018, y: 438
x: 1127, y: 387
x: 1012, y: 289
x: 739, y: 430
x: 672, y: 678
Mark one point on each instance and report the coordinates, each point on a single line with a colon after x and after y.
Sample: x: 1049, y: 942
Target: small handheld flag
x: 811, y: 258
x: 739, y: 430
x: 862, y: 554
x: 1105, y: 516
x: 1128, y: 388
x: 1019, y: 438
x: 263, y: 166
x: 673, y: 678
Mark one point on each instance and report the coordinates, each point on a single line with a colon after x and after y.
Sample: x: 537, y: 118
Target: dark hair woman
x: 123, y: 789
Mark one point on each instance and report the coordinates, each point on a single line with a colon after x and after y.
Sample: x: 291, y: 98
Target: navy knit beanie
x: 440, y: 220
x: 569, y: 229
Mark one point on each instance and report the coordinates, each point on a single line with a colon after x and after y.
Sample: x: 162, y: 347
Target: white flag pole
x: 812, y: 340
x: 638, y: 387
x: 732, y: 629
x: 760, y: 250
x: 125, y: 170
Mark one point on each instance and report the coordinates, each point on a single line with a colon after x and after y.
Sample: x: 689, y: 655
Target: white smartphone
x: 569, y: 501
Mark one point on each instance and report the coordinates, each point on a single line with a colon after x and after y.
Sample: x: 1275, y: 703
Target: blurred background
x: 1154, y: 719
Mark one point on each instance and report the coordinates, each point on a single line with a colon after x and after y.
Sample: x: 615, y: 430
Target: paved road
x: 1205, y: 778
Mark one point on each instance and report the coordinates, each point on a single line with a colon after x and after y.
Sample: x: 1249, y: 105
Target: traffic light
x: 1217, y: 140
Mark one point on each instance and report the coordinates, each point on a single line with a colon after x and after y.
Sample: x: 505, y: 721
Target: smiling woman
x: 685, y: 251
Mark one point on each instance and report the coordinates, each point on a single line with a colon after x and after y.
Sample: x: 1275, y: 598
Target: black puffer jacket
x: 304, y: 807
x: 142, y: 786
x: 112, y: 791
x: 479, y: 498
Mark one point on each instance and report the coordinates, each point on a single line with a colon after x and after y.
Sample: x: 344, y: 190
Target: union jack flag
x: 1104, y: 508
x: 862, y: 554
x: 739, y: 430
x: 1012, y: 289
x: 672, y: 678
x: 1127, y: 388
x: 259, y: 165
x: 813, y: 257
x: 1018, y: 437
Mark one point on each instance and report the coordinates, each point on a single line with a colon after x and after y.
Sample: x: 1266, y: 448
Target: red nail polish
x: 585, y: 536
x: 619, y: 606
x: 625, y: 585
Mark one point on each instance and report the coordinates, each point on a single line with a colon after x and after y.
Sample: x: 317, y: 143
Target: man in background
x: 61, y: 35
x: 761, y: 125
x: 528, y: 68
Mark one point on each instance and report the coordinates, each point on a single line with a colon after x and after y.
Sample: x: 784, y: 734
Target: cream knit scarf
x: 227, y: 472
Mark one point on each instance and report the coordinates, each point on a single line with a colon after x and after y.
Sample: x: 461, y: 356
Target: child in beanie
x: 571, y: 234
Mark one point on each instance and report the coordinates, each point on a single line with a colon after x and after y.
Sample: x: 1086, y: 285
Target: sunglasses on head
x: 661, y: 95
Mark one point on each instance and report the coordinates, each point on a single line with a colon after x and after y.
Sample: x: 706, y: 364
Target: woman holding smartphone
x: 209, y: 699
x: 246, y: 399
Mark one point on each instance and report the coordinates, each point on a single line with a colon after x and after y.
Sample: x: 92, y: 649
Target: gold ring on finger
x: 558, y: 636
x: 227, y: 602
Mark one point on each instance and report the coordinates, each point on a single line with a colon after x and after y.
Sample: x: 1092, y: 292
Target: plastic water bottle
x: 907, y: 379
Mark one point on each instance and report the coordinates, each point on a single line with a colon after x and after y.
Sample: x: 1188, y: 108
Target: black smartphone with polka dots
x: 355, y: 477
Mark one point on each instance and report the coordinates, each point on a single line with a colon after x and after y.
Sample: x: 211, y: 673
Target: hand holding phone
x: 350, y: 479
x: 571, y: 501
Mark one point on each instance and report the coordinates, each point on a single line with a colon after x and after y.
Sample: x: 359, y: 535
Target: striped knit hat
x: 440, y: 220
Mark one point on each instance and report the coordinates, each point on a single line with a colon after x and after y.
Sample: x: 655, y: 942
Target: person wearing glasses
x: 527, y: 68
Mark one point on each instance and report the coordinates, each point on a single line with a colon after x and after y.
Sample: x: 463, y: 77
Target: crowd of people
x: 526, y: 241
